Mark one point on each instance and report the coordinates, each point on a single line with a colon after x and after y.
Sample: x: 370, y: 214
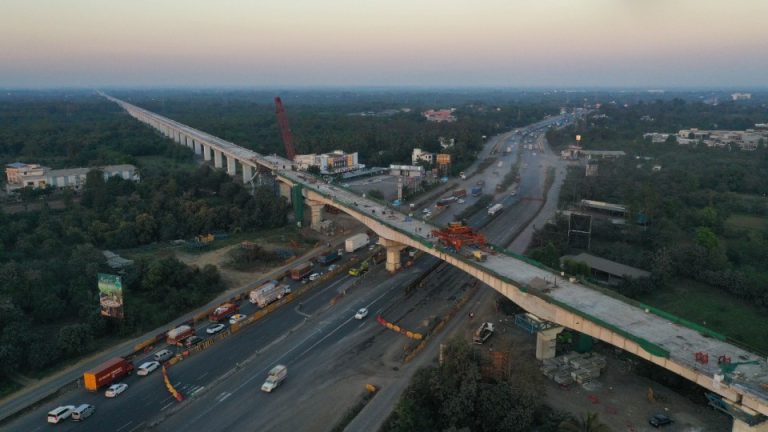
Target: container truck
x: 177, y: 335
x: 106, y: 373
x: 328, y: 257
x: 356, y: 242
x: 476, y: 191
x: 268, y: 293
x: 301, y: 271
x: 496, y: 208
x: 223, y: 311
x: 459, y: 193
x: 276, y: 376
x: 483, y: 333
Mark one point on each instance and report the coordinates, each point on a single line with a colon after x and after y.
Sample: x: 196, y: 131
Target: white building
x: 19, y: 175
x: 419, y: 155
x: 741, y: 96
x: 406, y: 170
x: 747, y: 140
x: 330, y: 163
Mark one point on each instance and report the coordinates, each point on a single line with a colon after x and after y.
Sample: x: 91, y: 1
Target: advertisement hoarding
x: 111, y: 295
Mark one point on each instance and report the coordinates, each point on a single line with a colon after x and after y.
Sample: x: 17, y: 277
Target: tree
x: 589, y: 422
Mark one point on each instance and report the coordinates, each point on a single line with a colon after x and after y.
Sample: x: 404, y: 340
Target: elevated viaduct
x: 674, y: 344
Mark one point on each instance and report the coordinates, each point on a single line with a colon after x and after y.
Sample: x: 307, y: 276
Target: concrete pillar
x: 231, y: 166
x: 217, y: 158
x: 197, y: 147
x: 393, y: 254
x: 247, y: 173
x: 285, y: 191
x: 316, y: 209
x: 546, y: 343
x: 740, y: 426
x: 206, y: 152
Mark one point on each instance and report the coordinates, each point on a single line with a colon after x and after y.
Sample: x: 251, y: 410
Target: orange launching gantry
x: 456, y: 235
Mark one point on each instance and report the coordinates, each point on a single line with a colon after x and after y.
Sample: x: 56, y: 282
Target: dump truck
x: 477, y: 190
x: 356, y: 242
x: 223, y: 311
x: 357, y: 271
x: 480, y: 255
x: 177, y: 335
x: 276, y: 376
x: 268, y: 293
x: 301, y: 271
x: 106, y: 373
x: 496, y: 208
x: 483, y: 333
x: 328, y: 257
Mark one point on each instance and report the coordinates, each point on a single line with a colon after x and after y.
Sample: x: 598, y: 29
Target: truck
x: 445, y: 201
x: 357, y: 271
x: 463, y: 175
x: 301, y: 271
x: 177, y: 335
x: 106, y: 373
x: 276, y: 376
x: 356, y: 242
x: 483, y: 333
x: 496, y: 208
x: 477, y: 190
x: 500, y: 164
x: 459, y: 193
x: 223, y: 311
x: 480, y: 255
x: 328, y: 257
x: 268, y: 293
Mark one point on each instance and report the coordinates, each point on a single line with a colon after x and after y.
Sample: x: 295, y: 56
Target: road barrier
x: 171, y: 389
x: 398, y: 329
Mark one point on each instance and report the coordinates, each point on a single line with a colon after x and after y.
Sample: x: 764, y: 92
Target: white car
x: 60, y: 413
x: 333, y: 267
x: 215, y: 328
x: 314, y: 276
x: 461, y: 201
x: 362, y: 313
x: 236, y: 318
x: 147, y: 367
x: 115, y: 389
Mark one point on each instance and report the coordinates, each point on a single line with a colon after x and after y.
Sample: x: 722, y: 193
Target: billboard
x: 110, y: 295
x: 443, y: 159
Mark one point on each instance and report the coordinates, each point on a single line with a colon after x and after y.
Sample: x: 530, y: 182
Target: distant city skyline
x: 395, y: 43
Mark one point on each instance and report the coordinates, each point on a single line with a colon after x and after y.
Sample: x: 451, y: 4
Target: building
x: 607, y: 271
x: 406, y: 171
x: 656, y: 137
x: 603, y: 154
x: 747, y: 140
x: 335, y: 162
x: 20, y: 175
x: 741, y: 96
x: 591, y: 168
x: 444, y: 115
x: 419, y: 155
x: 571, y: 153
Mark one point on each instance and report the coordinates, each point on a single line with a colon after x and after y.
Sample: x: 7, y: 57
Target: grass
x: 7, y: 387
x: 715, y: 309
x: 163, y: 164
x: 743, y: 221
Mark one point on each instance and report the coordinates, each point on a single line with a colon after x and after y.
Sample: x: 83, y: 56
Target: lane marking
x: 202, y: 375
x: 124, y: 426
x: 166, y: 406
x: 137, y: 427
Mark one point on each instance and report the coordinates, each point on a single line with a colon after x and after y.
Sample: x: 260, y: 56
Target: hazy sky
x: 514, y: 43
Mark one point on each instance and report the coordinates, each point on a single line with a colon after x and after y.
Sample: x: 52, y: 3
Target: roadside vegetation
x: 697, y: 223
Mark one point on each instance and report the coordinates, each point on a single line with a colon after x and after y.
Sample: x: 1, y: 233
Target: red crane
x: 285, y: 130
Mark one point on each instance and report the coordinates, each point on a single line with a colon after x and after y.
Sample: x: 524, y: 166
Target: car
x: 333, y: 267
x: 147, y: 367
x: 659, y: 420
x: 213, y: 329
x: 236, y: 318
x: 425, y: 210
x: 60, y: 413
x: 361, y: 313
x: 163, y: 355
x: 461, y: 201
x: 314, y: 276
x: 371, y: 247
x: 83, y: 412
x: 192, y: 341
x: 115, y: 389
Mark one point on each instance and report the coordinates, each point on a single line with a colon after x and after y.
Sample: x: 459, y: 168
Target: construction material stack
x: 456, y: 235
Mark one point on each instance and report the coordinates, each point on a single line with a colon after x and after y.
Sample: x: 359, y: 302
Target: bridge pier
x: 393, y: 254
x: 217, y: 159
x: 285, y: 191
x: 316, y: 208
x: 197, y: 147
x: 231, y: 167
x: 247, y: 173
x: 741, y: 426
x: 546, y: 343
x: 206, y: 152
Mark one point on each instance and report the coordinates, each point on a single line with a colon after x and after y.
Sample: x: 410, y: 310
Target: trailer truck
x: 268, y: 293
x: 356, y: 242
x: 177, y: 335
x: 223, y: 311
x: 496, y: 208
x: 106, y: 373
x: 301, y: 271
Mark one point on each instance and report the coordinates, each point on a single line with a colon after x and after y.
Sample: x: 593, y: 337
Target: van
x: 163, y: 355
x: 83, y: 412
x: 60, y: 413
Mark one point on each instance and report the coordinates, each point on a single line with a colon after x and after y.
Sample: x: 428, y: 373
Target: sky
x: 341, y: 43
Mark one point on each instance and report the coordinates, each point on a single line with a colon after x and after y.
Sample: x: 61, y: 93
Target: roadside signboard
x: 111, y: 295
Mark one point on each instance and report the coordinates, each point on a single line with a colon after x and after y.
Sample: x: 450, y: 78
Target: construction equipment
x: 456, y: 235
x: 480, y: 255
x: 285, y: 130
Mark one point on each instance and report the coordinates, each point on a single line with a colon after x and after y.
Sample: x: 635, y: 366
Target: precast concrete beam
x: 217, y: 159
x: 741, y: 426
x: 231, y: 165
x: 546, y: 343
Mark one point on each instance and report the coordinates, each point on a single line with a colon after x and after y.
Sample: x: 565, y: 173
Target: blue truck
x: 328, y: 257
x: 477, y: 190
